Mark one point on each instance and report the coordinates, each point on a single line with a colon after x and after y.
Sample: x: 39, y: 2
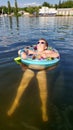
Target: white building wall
x: 65, y: 11
x: 60, y: 11
x: 46, y: 10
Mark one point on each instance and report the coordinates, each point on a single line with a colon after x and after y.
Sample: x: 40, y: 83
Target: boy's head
x: 42, y: 45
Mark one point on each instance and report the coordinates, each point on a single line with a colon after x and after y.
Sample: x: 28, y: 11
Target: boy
x: 41, y: 52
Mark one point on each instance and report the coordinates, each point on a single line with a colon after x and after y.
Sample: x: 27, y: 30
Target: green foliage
x: 59, y: 4
x: 9, y: 8
x: 66, y: 4
x: 4, y: 9
x: 46, y: 4
x: 16, y: 8
x: 32, y: 10
x: 56, y: 6
x: 0, y: 10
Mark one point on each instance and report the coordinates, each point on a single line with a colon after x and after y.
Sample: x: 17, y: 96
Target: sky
x: 22, y: 3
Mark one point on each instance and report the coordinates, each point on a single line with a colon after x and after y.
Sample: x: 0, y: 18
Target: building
x: 47, y: 11
x: 44, y: 11
x: 65, y: 11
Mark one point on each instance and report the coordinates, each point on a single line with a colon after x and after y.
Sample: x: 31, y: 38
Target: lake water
x: 36, y: 100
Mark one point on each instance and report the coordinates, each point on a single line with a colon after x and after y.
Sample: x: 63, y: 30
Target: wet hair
x: 45, y: 41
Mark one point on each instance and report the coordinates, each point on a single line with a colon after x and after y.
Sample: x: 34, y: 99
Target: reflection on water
x: 11, y: 22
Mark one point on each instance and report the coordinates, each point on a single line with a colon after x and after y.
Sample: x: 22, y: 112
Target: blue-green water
x: 15, y: 33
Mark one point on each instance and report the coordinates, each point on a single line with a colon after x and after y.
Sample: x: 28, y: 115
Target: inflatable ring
x: 39, y: 63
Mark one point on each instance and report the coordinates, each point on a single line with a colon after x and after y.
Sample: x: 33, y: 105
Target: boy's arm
x: 52, y: 54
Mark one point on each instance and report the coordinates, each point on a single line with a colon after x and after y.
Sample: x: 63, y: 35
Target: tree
x: 16, y: 8
x: 30, y: 10
x: 9, y: 8
x: 0, y: 10
x: 66, y: 4
x: 56, y: 6
x: 4, y: 10
x: 59, y: 3
x: 46, y: 4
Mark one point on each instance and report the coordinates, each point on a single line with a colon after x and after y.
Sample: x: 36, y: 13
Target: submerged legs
x: 27, y: 76
x: 42, y: 82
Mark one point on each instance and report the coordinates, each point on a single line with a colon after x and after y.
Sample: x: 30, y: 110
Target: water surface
x: 47, y: 99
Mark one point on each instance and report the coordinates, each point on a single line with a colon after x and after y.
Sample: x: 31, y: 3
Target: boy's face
x: 41, y: 46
